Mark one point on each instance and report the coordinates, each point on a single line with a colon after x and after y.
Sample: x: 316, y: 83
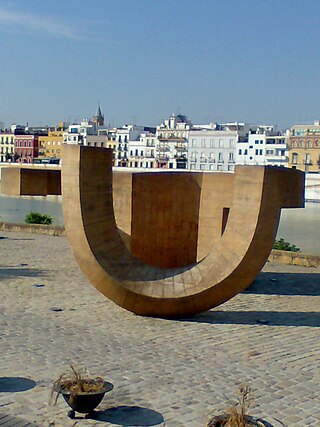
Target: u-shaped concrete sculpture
x: 172, y: 244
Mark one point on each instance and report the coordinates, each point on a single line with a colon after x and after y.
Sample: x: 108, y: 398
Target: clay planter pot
x: 85, y: 403
x: 220, y: 420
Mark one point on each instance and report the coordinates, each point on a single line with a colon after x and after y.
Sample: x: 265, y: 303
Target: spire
x: 98, y: 113
x: 98, y: 118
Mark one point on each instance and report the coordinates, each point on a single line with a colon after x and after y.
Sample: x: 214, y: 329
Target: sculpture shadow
x: 262, y: 318
x: 129, y: 416
x: 15, y: 384
x: 304, y: 284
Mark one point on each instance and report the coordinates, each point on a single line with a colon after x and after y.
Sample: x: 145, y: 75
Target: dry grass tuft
x: 237, y: 415
x: 75, y: 381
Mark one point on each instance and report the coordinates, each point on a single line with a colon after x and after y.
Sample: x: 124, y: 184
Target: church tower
x: 98, y: 118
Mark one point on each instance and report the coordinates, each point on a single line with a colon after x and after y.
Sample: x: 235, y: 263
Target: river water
x: 298, y: 226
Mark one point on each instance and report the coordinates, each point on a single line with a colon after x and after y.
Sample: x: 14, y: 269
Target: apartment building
x: 26, y: 148
x: 304, y: 147
x: 142, y: 151
x: 263, y: 145
x: 51, y: 145
x: 212, y: 149
x: 7, y: 146
x: 172, y: 142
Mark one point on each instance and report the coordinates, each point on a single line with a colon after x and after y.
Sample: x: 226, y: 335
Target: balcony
x: 180, y: 157
x: 220, y: 161
x: 212, y: 160
x: 180, y: 147
x: 308, y: 162
x: 163, y: 157
x: 163, y: 148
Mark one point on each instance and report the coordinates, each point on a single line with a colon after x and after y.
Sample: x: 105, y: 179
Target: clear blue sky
x: 213, y: 60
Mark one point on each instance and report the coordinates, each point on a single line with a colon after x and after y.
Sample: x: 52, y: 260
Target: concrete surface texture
x: 210, y: 234
x: 165, y: 372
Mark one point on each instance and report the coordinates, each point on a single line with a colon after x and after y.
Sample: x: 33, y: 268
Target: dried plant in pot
x: 237, y: 415
x: 82, y: 392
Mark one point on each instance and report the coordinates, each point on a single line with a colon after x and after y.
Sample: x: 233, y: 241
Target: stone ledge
x: 294, y: 258
x: 276, y: 256
x: 50, y: 230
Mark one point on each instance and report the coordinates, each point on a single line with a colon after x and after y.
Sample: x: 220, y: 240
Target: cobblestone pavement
x: 164, y: 372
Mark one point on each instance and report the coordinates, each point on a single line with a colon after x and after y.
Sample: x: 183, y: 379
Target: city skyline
x: 249, y: 61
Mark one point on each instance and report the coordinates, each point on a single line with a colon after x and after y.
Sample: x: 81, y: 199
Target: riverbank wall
x: 276, y: 256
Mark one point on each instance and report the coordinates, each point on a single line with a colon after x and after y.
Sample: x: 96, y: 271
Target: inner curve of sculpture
x: 172, y: 244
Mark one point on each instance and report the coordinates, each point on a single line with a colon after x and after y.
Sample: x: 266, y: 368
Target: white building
x: 264, y: 146
x: 77, y: 133
x: 142, y: 151
x: 172, y: 142
x: 125, y: 135
x: 212, y: 150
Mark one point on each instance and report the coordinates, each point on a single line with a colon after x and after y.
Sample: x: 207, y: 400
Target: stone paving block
x: 183, y: 369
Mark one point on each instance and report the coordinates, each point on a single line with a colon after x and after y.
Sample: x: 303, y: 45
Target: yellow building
x: 304, y: 147
x: 52, y: 145
x: 6, y: 147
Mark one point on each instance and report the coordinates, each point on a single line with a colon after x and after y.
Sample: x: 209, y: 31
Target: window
x: 220, y: 143
x: 256, y: 141
x: 269, y: 151
x: 203, y: 143
x: 141, y: 152
x: 245, y: 152
x: 309, y: 144
x: 193, y: 143
x: 202, y: 166
x: 250, y: 146
x: 240, y: 151
x: 230, y: 157
x: 301, y: 143
x: 257, y: 152
x: 307, y: 160
x: 136, y: 152
x: 261, y: 141
x: 219, y: 167
x: 260, y: 152
x: 294, y: 158
x: 231, y: 143
x: 211, y: 143
x: 294, y: 143
x: 230, y: 168
x: 220, y: 158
